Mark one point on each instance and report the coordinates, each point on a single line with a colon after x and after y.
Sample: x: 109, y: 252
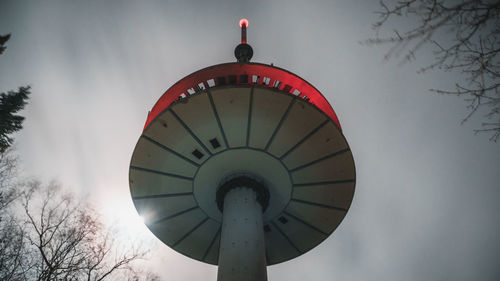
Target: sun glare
x: 129, y: 225
x: 142, y: 219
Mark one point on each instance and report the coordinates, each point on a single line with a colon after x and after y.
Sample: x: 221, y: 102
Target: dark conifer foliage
x: 10, y: 104
x: 3, y: 39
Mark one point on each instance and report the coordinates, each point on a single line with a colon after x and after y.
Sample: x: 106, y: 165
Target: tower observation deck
x: 242, y: 165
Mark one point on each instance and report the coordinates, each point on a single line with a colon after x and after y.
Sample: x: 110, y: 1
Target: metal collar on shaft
x: 260, y: 190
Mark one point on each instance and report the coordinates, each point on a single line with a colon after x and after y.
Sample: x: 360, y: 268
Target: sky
x: 427, y: 191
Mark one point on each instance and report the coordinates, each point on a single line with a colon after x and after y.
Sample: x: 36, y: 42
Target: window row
x: 242, y: 79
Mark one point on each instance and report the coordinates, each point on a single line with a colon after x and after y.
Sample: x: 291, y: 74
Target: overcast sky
x: 427, y: 198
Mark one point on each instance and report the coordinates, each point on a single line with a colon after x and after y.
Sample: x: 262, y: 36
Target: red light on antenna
x: 243, y: 22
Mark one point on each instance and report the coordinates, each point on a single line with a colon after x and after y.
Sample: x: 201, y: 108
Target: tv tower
x: 242, y: 165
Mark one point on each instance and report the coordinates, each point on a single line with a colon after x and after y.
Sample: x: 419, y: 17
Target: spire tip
x: 243, y: 22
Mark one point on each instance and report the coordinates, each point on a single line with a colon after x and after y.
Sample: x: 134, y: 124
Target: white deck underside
x: 309, y: 169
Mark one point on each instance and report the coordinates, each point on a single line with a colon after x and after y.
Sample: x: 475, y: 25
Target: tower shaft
x: 242, y: 253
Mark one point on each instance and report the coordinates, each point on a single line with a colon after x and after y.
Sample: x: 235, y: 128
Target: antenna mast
x: 243, y: 51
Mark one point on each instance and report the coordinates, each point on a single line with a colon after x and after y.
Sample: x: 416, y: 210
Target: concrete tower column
x: 242, y: 254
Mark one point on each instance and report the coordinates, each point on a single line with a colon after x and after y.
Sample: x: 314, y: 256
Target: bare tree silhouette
x: 464, y: 37
x: 66, y: 241
x: 46, y: 234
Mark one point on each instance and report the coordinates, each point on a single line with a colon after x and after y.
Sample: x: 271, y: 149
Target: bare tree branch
x: 57, y: 238
x: 464, y: 35
x: 70, y: 241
